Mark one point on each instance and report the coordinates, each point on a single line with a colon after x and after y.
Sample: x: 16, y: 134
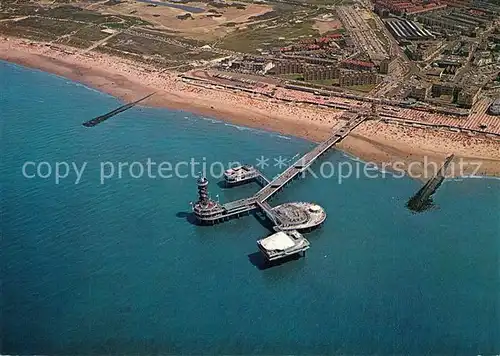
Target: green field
x: 38, y: 28
x: 72, y: 23
x: 49, y: 23
x: 266, y: 37
x: 283, y: 26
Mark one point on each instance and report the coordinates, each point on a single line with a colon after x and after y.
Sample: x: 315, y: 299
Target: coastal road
x: 15, y: 19
x: 101, y: 42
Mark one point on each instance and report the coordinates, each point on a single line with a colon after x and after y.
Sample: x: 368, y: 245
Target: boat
x: 240, y: 174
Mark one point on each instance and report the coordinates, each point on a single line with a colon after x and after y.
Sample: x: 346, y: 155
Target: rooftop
x: 278, y: 241
x: 358, y: 63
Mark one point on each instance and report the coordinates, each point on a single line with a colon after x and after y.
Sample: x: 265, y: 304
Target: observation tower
x: 206, y: 210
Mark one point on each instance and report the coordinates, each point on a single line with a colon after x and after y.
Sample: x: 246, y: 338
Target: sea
x: 99, y: 258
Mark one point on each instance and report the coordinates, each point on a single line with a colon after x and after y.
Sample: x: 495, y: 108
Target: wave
x: 239, y: 128
x: 351, y: 156
x: 212, y: 120
x: 464, y: 178
x: 283, y: 137
x: 243, y: 128
x: 258, y: 131
x: 478, y: 177
x: 88, y: 88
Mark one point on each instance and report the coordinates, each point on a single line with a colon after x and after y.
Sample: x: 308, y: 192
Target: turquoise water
x: 117, y: 268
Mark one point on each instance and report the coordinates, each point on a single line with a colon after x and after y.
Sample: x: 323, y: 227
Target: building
x: 421, y: 51
x: 247, y: 66
x: 408, y: 30
x: 457, y: 20
x: 289, y: 67
x: 354, y: 64
x: 387, y: 66
x: 439, y: 89
x: 420, y: 91
x: 313, y: 73
x: 349, y: 78
x: 467, y: 97
x: 435, y: 73
x: 309, y: 60
x: 457, y: 3
x: 494, y: 108
x: 450, y: 62
x: 283, y: 244
x: 405, y: 7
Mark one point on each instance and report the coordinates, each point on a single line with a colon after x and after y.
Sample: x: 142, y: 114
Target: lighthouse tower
x: 203, y: 191
x: 205, y: 209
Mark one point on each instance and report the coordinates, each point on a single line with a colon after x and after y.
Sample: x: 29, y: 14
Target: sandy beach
x: 373, y: 141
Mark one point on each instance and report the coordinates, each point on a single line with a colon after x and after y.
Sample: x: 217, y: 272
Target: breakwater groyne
x: 97, y: 120
x: 422, y: 200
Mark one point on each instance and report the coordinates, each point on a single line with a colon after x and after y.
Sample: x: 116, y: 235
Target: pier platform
x: 244, y: 174
x: 300, y: 216
x: 283, y: 244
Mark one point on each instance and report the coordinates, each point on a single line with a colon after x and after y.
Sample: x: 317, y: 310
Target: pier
x: 219, y: 213
x: 268, y: 211
x: 289, y: 218
x: 422, y: 200
x: 303, y: 163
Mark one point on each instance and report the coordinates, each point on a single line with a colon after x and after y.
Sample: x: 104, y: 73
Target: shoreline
x: 372, y: 142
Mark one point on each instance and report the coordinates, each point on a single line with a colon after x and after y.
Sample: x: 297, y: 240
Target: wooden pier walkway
x: 305, y: 161
x: 259, y: 200
x: 268, y: 210
x: 240, y: 206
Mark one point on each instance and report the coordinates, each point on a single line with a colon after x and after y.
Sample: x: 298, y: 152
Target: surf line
x: 97, y: 120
